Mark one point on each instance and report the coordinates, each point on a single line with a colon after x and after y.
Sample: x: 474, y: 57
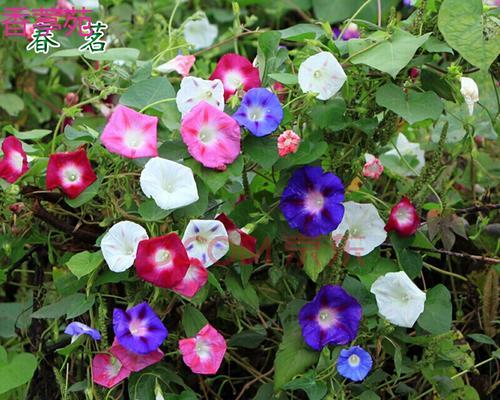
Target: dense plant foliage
x: 293, y: 199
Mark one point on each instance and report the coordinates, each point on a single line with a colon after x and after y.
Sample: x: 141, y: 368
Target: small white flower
x: 407, y: 148
x: 366, y: 229
x: 470, y: 91
x: 88, y: 4
x: 206, y: 240
x: 399, y: 300
x: 119, y: 245
x: 200, y: 33
x: 321, y: 74
x: 170, y: 184
x: 194, y: 90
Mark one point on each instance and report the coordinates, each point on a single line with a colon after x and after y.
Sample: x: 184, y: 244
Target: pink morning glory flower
x: 373, y: 168
x: 403, y: 218
x: 14, y: 163
x: 204, y: 352
x: 71, y: 172
x: 212, y: 136
x: 130, y: 133
x: 180, y: 64
x: 196, y: 277
x: 288, y: 142
x: 108, y: 371
x: 162, y: 261
x: 236, y: 72
x: 133, y: 361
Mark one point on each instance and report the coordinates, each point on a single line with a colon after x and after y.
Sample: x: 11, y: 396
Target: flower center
x: 163, y: 256
x: 233, y: 80
x: 202, y: 349
x: 314, y: 202
x: 201, y: 239
x: 207, y: 134
x: 17, y: 160
x: 326, y: 318
x: 169, y: 187
x: 208, y: 94
x: 317, y: 74
x: 134, y: 139
x: 114, y: 367
x: 403, y: 216
x: 71, y: 174
x: 354, y: 360
x: 137, y: 327
x: 255, y: 114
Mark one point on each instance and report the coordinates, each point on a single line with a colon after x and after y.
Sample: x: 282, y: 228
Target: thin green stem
x: 444, y: 272
x: 156, y: 103
x: 354, y: 16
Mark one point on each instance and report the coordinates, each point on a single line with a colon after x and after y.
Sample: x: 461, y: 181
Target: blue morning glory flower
x: 312, y: 201
x: 354, y: 363
x: 76, y: 329
x: 139, y: 329
x: 260, y: 112
x: 332, y: 317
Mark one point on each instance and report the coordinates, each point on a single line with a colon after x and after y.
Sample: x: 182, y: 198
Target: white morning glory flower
x: 194, y: 90
x: 119, y: 245
x: 88, y: 4
x: 200, y: 33
x: 170, y: 184
x: 407, y: 148
x: 366, y: 229
x: 470, y: 91
x: 321, y: 74
x: 206, y: 240
x: 399, y: 300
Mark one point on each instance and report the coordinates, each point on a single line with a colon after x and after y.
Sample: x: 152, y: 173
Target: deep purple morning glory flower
x: 312, y: 201
x: 76, y: 329
x: 352, y: 32
x: 332, y: 317
x: 139, y: 329
x: 260, y: 112
x: 354, y: 363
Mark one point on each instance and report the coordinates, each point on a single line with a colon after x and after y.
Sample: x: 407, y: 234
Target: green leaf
x: 412, y: 106
x: 84, y: 263
x: 66, y: 53
x: 117, y: 53
x: 16, y: 372
x: 436, y: 317
x: 174, y: 150
x: 263, y: 150
x: 212, y: 279
x: 146, y: 92
x: 339, y: 10
x: 307, y: 153
x: 70, y: 348
x: 330, y: 115
x: 390, y: 55
x: 434, y: 45
x: 437, y: 83
x: 285, y: 78
x: 409, y: 261
x: 315, y: 389
x: 74, y: 304
x: 246, y: 295
x: 192, y: 320
x: 11, y: 103
x: 480, y: 338
x: 316, y: 255
x: 34, y: 134
x: 215, y: 179
x: 301, y: 32
x: 88, y: 194
x: 149, y: 211
x: 462, y: 25
x: 249, y: 338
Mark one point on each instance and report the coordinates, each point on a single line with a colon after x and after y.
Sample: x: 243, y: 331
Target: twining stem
x: 444, y: 272
x: 156, y: 103
x: 354, y: 16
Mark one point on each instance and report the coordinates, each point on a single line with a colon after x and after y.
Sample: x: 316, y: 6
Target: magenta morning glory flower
x: 76, y: 329
x: 260, y: 112
x: 139, y: 329
x: 332, y: 317
x: 354, y: 363
x: 312, y: 201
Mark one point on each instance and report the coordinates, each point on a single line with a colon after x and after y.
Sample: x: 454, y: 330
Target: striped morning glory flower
x: 139, y: 329
x: 206, y: 240
x: 354, y: 363
x: 332, y: 317
x: 194, y: 90
x: 312, y: 201
x: 76, y: 329
x: 260, y: 112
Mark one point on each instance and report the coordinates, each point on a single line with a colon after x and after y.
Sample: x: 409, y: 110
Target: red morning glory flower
x: 196, y: 277
x: 163, y: 260
x: 403, y: 218
x: 71, y: 172
x: 133, y: 361
x: 238, y: 237
x: 236, y: 72
x: 14, y: 163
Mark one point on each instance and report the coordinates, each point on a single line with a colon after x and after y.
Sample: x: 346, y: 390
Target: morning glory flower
x: 399, y: 300
x: 14, y: 163
x: 352, y: 32
x: 238, y: 237
x: 407, y: 148
x: 130, y: 133
x: 409, y: 3
x: 71, y: 172
x: 119, y: 245
x: 212, y: 137
x: 206, y: 240
x: 133, y: 361
x: 139, y: 329
x: 373, y: 168
x: 89, y: 4
x: 403, y: 218
x: 288, y: 142
x: 321, y: 74
x: 470, y: 91
x: 204, y: 352
x: 162, y: 261
x: 108, y: 371
x: 196, y: 277
x: 195, y: 90
x: 332, y: 317
x: 260, y: 112
x: 76, y: 329
x: 236, y: 72
x: 170, y: 184
x: 180, y: 64
x: 200, y: 33
x: 312, y: 201
x: 366, y: 229
x: 354, y: 363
